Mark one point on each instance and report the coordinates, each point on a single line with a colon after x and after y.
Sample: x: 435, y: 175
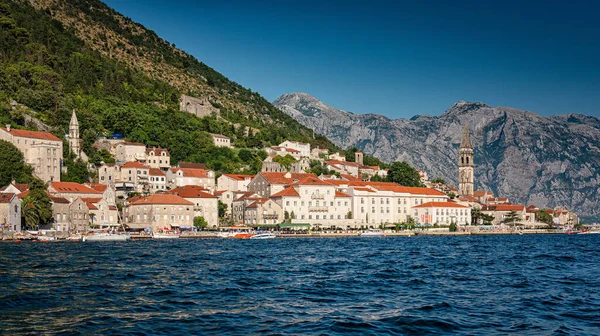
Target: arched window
x: 462, y: 160
x: 467, y: 160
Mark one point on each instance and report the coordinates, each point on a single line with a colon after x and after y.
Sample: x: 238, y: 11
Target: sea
x: 449, y: 285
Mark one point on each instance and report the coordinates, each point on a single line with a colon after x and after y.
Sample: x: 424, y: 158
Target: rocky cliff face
x: 546, y: 161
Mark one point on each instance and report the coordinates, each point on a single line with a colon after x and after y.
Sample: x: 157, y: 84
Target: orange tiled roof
x: 6, y: 198
x: 97, y: 186
x: 480, y: 193
x: 341, y: 194
x: 32, y: 134
x: 134, y: 164
x: 191, y: 191
x: 279, y: 178
x: 257, y: 202
x: 162, y: 199
x: 440, y: 205
x: 59, y: 199
x: 311, y: 180
x: 156, y: 172
x: 343, y: 163
x: 72, y: 187
x: 350, y: 177
x: 239, y: 177
x: 20, y: 186
x: 363, y: 189
x: 510, y: 207
x: 287, y: 192
x: 191, y: 172
x: 157, y: 151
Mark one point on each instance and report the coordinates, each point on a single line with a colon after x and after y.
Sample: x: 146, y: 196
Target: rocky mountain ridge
x: 546, y: 161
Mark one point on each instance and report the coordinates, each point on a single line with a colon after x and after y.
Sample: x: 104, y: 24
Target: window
x: 317, y: 216
x: 362, y: 210
x: 372, y: 201
x: 309, y: 216
x: 373, y: 210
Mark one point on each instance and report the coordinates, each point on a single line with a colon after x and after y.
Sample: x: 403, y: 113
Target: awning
x: 294, y: 225
x: 265, y: 225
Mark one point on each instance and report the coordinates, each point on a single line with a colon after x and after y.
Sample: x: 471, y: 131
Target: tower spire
x: 466, y: 138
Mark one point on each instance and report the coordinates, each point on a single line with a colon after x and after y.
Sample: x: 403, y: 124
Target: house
x: 158, y: 180
x: 102, y: 214
x: 158, y: 212
x: 500, y: 212
x: 79, y: 216
x: 179, y: 177
x: 303, y: 149
x: 337, y: 157
x: 158, y: 158
x: 343, y: 167
x: 227, y: 197
x: 263, y: 211
x: 130, y: 152
x: 239, y: 205
x: 204, y: 204
x: 267, y: 183
x: 71, y: 191
x: 234, y: 182
x: 10, y: 212
x: 60, y: 213
x: 41, y: 150
x: 442, y: 213
x: 319, y: 154
x: 221, y: 141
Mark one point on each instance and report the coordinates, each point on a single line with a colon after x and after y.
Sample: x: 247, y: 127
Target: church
x: 466, y: 165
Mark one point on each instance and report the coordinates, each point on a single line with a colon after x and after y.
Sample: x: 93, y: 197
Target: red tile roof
x: 156, y: 172
x: 219, y: 136
x: 481, y: 193
x: 312, y: 180
x: 279, y: 178
x: 192, y: 165
x: 350, y: 177
x: 341, y: 194
x: 239, y: 177
x: 97, y: 186
x: 134, y: 164
x: 59, y: 200
x: 162, y: 199
x: 363, y: 189
x: 257, y: 202
x: 440, y: 205
x: 342, y: 163
x: 510, y: 207
x: 20, y: 186
x: 287, y: 192
x: 191, y: 172
x: 32, y: 134
x: 191, y: 191
x: 6, y: 198
x: 72, y: 187
x: 157, y: 151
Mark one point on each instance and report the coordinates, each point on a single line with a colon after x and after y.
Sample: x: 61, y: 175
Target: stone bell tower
x: 466, y: 165
x: 74, y: 142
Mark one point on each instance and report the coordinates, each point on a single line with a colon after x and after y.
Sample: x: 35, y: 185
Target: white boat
x: 106, y: 236
x: 165, y: 235
x: 239, y: 232
x: 76, y: 238
x: 45, y: 238
x: 268, y: 235
x: 372, y: 233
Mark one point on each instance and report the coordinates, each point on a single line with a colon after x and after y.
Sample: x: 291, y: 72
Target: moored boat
x: 372, y: 233
x: 106, y: 236
x: 268, y: 235
x: 165, y: 235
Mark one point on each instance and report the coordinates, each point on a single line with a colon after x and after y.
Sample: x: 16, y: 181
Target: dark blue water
x: 421, y: 285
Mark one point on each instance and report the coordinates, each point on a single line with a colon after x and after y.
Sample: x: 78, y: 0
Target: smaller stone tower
x: 358, y: 157
x: 74, y: 142
x: 466, y: 166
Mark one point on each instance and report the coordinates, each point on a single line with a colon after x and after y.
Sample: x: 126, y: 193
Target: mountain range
x: 532, y: 159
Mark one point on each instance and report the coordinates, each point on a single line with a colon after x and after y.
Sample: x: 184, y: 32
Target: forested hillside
x: 56, y: 56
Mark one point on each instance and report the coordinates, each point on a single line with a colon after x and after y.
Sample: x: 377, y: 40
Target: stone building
x: 220, y: 140
x: 179, y: 177
x: 60, y: 213
x: 158, y: 212
x: 442, y: 213
x: 41, y: 150
x: 263, y: 211
x: 200, y: 107
x: 79, y: 216
x: 158, y: 158
x: 466, y: 165
x: 266, y: 184
x: 205, y: 204
x: 71, y: 191
x: 130, y: 152
x: 234, y: 182
x: 10, y: 212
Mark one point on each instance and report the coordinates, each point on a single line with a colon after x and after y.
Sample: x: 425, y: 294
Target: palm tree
x: 31, y: 213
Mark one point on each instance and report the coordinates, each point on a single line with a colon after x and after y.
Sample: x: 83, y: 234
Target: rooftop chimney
x: 8, y: 127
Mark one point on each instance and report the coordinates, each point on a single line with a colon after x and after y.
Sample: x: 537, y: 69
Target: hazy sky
x: 393, y: 58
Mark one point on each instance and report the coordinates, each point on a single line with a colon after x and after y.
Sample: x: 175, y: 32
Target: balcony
x: 317, y: 196
x: 318, y: 209
x: 272, y: 216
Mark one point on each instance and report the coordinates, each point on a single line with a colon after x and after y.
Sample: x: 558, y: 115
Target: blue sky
x: 393, y: 58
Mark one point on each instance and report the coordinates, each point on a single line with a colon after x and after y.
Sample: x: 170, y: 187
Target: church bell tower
x: 74, y: 142
x: 466, y: 165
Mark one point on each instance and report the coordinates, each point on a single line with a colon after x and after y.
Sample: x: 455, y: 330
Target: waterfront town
x: 142, y: 193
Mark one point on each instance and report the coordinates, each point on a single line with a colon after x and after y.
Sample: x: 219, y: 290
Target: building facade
x: 10, y: 212
x: 466, y: 165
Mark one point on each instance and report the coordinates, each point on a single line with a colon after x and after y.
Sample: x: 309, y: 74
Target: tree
x: 487, y: 219
x: 438, y: 180
x: 222, y: 209
x: 511, y: 217
x: 286, y: 215
x: 451, y: 194
x: 544, y: 217
x: 285, y: 161
x: 404, y: 174
x: 200, y: 223
x: 475, y: 215
x: 12, y: 165
x: 245, y: 155
x: 349, y: 215
x: 453, y: 227
x: 30, y: 212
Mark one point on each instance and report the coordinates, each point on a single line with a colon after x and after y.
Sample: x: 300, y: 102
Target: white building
x: 10, y: 212
x: 130, y: 152
x: 41, y: 150
x: 158, y: 158
x: 234, y: 182
x: 221, y: 141
x: 179, y: 177
x: 442, y: 213
x: 303, y: 148
x: 266, y: 184
x: 158, y: 180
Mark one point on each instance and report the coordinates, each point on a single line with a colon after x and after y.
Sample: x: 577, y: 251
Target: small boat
x: 372, y: 233
x: 588, y: 232
x: 106, y: 236
x: 75, y: 238
x: 268, y: 235
x: 239, y: 232
x: 46, y: 238
x: 165, y: 235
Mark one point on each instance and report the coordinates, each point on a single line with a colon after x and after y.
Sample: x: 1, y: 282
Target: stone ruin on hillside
x: 201, y: 107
